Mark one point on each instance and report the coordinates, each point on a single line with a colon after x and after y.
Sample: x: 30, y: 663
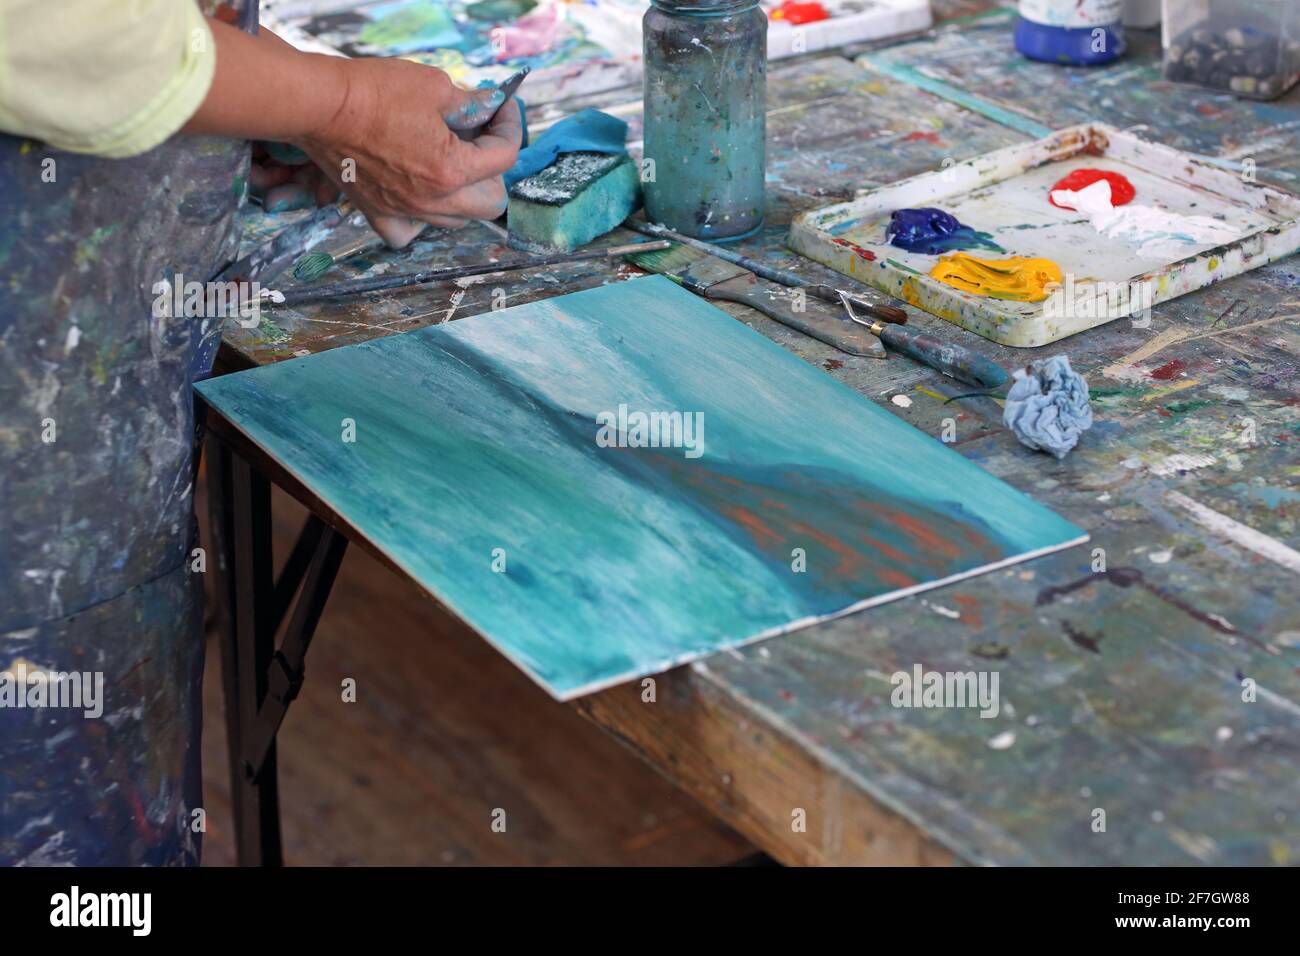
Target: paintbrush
x: 386, y: 283
x: 313, y: 265
x: 712, y: 278
x: 705, y: 275
x: 868, y: 302
x: 955, y: 361
x: 271, y: 258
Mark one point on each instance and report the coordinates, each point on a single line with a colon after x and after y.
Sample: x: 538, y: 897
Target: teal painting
x: 610, y: 483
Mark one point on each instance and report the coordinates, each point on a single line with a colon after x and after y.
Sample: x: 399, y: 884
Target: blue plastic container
x: 1071, y: 32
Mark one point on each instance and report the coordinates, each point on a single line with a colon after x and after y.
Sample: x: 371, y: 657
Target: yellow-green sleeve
x: 110, y: 77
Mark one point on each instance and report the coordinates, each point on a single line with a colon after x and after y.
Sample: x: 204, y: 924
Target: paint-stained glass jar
x: 705, y: 87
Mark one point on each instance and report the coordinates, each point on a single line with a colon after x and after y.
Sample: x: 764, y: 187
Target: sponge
x: 578, y: 197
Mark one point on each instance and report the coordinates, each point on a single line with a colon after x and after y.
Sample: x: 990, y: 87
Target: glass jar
x: 705, y: 91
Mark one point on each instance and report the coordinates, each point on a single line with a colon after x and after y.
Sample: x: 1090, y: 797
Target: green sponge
x: 575, y: 199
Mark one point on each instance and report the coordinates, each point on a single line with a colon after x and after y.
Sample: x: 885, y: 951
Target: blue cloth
x: 1047, y: 406
x: 590, y: 131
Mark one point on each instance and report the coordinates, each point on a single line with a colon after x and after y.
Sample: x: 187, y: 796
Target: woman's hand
x: 396, y: 136
x: 391, y: 148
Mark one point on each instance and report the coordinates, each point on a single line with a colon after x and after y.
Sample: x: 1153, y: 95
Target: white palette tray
x: 1005, y: 193
x: 851, y: 21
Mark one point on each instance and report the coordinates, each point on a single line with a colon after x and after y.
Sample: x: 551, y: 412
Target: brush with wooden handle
x: 712, y: 278
x: 869, y: 302
x: 312, y: 265
x: 353, y: 287
x: 271, y: 258
x: 707, y: 276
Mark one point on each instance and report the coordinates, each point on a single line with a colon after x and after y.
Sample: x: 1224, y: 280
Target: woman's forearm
x: 263, y: 88
x: 376, y: 127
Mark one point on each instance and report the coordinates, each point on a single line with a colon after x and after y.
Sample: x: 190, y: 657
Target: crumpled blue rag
x: 590, y: 131
x: 1047, y: 406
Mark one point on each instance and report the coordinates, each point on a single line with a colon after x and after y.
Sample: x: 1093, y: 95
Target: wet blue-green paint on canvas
x: 480, y: 467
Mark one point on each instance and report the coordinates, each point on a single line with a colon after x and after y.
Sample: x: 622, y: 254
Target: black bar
x: 287, y: 667
x: 925, y: 910
x: 295, y: 566
x: 255, y: 801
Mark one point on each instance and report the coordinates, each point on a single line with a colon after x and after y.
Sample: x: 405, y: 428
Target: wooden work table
x: 1121, y: 689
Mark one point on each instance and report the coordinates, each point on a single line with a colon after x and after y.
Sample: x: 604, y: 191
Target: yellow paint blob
x: 1019, y: 278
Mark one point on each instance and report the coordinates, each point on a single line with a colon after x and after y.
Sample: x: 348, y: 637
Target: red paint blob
x: 793, y: 11
x: 1169, y: 371
x: 1121, y: 190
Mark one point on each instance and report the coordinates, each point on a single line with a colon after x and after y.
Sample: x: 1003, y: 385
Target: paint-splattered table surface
x: 1151, y: 679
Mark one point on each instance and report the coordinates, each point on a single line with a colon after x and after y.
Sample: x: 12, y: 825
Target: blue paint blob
x: 933, y: 232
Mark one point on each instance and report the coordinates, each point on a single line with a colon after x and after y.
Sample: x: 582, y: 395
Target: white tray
x: 1005, y: 193
x: 851, y: 21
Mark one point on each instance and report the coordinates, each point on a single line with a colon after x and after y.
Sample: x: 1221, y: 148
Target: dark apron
x: 96, y: 526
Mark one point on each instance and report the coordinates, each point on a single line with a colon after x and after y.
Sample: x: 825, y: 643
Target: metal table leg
x: 259, y: 681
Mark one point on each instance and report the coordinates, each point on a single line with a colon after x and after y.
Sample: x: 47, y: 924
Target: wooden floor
x: 443, y: 732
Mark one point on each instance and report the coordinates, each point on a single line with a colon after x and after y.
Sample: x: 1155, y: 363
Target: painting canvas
x: 573, y: 47
x: 609, y: 483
